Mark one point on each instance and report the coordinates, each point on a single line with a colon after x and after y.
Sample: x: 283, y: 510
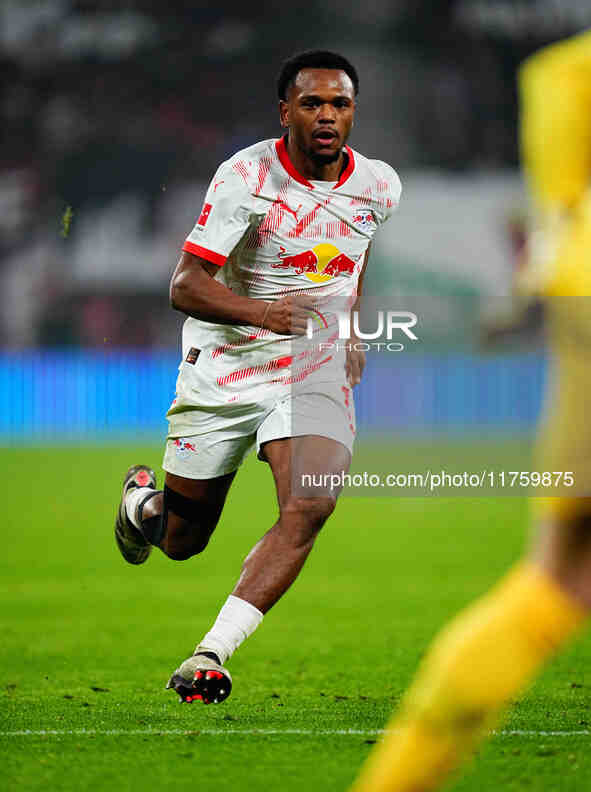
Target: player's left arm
x: 355, y: 358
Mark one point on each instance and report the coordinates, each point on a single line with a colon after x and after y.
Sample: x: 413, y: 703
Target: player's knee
x: 185, y: 540
x: 309, y: 514
x: 568, y: 527
x: 189, y: 525
x: 564, y: 547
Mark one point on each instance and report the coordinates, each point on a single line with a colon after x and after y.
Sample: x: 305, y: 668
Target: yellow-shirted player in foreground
x: 493, y: 649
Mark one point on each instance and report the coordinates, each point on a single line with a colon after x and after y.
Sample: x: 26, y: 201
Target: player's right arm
x: 195, y: 292
x: 223, y: 222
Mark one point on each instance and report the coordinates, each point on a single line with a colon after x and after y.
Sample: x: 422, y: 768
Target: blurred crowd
x: 114, y: 116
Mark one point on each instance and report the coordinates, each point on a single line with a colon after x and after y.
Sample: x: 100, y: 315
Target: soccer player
x: 492, y: 650
x: 286, y: 224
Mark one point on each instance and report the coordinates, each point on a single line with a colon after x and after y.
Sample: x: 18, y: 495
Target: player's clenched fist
x: 289, y: 315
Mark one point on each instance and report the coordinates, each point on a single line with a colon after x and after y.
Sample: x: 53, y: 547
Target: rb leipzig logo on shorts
x: 184, y: 447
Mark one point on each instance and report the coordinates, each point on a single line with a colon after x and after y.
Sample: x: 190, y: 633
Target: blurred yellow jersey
x: 555, y: 95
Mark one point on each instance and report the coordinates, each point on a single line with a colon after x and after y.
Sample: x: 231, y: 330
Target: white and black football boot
x: 134, y: 548
x: 201, y: 678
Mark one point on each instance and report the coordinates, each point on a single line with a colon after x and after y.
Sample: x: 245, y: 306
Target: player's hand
x: 289, y: 315
x: 354, y: 362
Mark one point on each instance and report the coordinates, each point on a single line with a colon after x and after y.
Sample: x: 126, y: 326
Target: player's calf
x: 189, y: 524
x: 275, y: 562
x: 180, y: 526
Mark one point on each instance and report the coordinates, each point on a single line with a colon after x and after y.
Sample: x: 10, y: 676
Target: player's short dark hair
x: 313, y: 59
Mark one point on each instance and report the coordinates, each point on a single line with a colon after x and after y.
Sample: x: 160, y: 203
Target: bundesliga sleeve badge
x: 204, y: 216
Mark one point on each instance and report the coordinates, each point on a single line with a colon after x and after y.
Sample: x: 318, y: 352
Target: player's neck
x: 314, y: 171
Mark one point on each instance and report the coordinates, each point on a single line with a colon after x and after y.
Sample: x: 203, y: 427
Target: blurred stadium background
x: 122, y: 111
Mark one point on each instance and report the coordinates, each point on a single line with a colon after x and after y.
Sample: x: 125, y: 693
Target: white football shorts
x: 208, y: 438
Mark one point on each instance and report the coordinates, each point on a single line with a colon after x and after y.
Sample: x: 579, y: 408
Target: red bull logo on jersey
x: 184, y: 447
x: 320, y: 264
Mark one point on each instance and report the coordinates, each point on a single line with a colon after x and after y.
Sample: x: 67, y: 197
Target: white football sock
x: 133, y: 499
x: 235, y: 622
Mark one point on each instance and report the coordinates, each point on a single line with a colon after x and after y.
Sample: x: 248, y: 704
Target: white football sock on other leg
x: 133, y: 499
x: 235, y: 622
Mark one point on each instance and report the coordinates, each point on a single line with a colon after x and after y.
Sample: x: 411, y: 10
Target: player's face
x: 319, y: 113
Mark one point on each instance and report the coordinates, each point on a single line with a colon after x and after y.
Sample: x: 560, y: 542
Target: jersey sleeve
x: 223, y: 220
x: 389, y: 190
x: 555, y: 95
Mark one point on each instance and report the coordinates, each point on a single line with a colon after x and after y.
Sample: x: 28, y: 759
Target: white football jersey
x: 274, y: 233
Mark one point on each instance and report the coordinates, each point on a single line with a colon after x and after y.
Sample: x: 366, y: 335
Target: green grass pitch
x: 87, y: 642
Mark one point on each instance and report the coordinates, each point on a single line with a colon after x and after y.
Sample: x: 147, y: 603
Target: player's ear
x: 283, y: 113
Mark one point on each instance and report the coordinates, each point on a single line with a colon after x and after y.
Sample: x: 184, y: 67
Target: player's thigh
x: 199, y: 472
x: 308, y: 441
x: 307, y: 466
x: 210, y: 492
x: 191, y: 509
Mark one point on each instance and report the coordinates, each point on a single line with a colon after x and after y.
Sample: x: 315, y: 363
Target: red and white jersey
x: 273, y: 233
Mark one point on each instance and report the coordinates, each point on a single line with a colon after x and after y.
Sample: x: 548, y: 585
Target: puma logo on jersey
x: 287, y: 208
